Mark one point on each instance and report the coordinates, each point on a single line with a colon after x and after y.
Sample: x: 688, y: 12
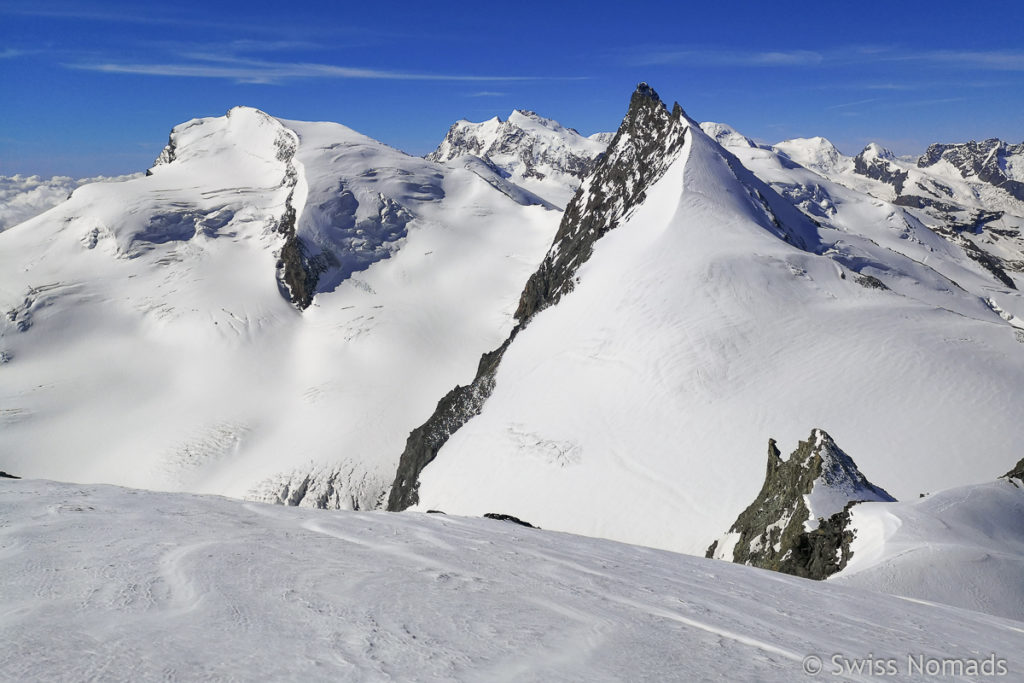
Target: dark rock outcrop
x: 508, y: 518
x: 452, y: 412
x: 798, y: 524
x: 5, y: 475
x: 873, y: 162
x: 985, y: 161
x: 647, y: 142
x: 1017, y: 472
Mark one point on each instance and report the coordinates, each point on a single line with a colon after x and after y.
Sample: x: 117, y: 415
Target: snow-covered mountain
x: 268, y: 313
x: 698, y: 299
x: 982, y: 217
x: 117, y: 584
x: 534, y: 152
x: 275, y: 310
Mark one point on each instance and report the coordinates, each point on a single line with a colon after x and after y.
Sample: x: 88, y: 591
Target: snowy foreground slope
x: 267, y: 314
x: 108, y: 583
x: 963, y: 546
x: 712, y: 316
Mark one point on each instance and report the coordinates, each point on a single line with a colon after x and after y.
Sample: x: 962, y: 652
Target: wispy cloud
x: 984, y: 60
x: 9, y: 53
x: 487, y: 93
x: 138, y: 18
x: 844, y: 105
x: 268, y: 72
x: 728, y: 58
x: 995, y: 60
x: 928, y: 103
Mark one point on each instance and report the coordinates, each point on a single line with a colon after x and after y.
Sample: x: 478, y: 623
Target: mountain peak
x: 645, y: 91
x: 535, y: 152
x: 875, y: 150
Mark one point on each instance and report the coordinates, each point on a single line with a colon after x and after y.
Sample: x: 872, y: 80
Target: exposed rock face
x: 646, y: 144
x: 526, y: 149
x: 874, y: 162
x: 454, y: 410
x: 508, y: 518
x: 520, y: 145
x: 167, y: 154
x: 798, y: 524
x: 298, y: 272
x: 992, y: 161
x: 1017, y: 472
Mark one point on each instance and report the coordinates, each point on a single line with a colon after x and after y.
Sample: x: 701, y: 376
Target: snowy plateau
x: 597, y: 335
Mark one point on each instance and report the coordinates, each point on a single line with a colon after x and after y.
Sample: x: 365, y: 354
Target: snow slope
x: 116, y: 584
x: 963, y: 546
x: 536, y: 153
x: 23, y: 197
x: 636, y: 407
x: 149, y: 339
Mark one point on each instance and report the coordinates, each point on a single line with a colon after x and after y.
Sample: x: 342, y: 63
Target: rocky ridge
x: 532, y: 151
x: 992, y: 161
x: 798, y: 523
x: 647, y: 142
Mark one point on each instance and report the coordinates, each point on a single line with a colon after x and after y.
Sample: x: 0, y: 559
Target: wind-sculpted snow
x: 963, y: 546
x: 117, y: 584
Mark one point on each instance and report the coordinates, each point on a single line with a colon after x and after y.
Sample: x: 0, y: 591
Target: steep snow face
x: 634, y: 408
x: 101, y: 582
x: 534, y: 152
x: 963, y: 546
x: 23, y: 197
x: 152, y: 332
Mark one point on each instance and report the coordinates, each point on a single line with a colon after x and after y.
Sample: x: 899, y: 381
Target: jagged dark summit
x: 647, y: 142
x: 1016, y: 473
x: 798, y: 524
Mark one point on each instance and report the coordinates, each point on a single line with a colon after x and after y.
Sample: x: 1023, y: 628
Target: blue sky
x: 94, y: 87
